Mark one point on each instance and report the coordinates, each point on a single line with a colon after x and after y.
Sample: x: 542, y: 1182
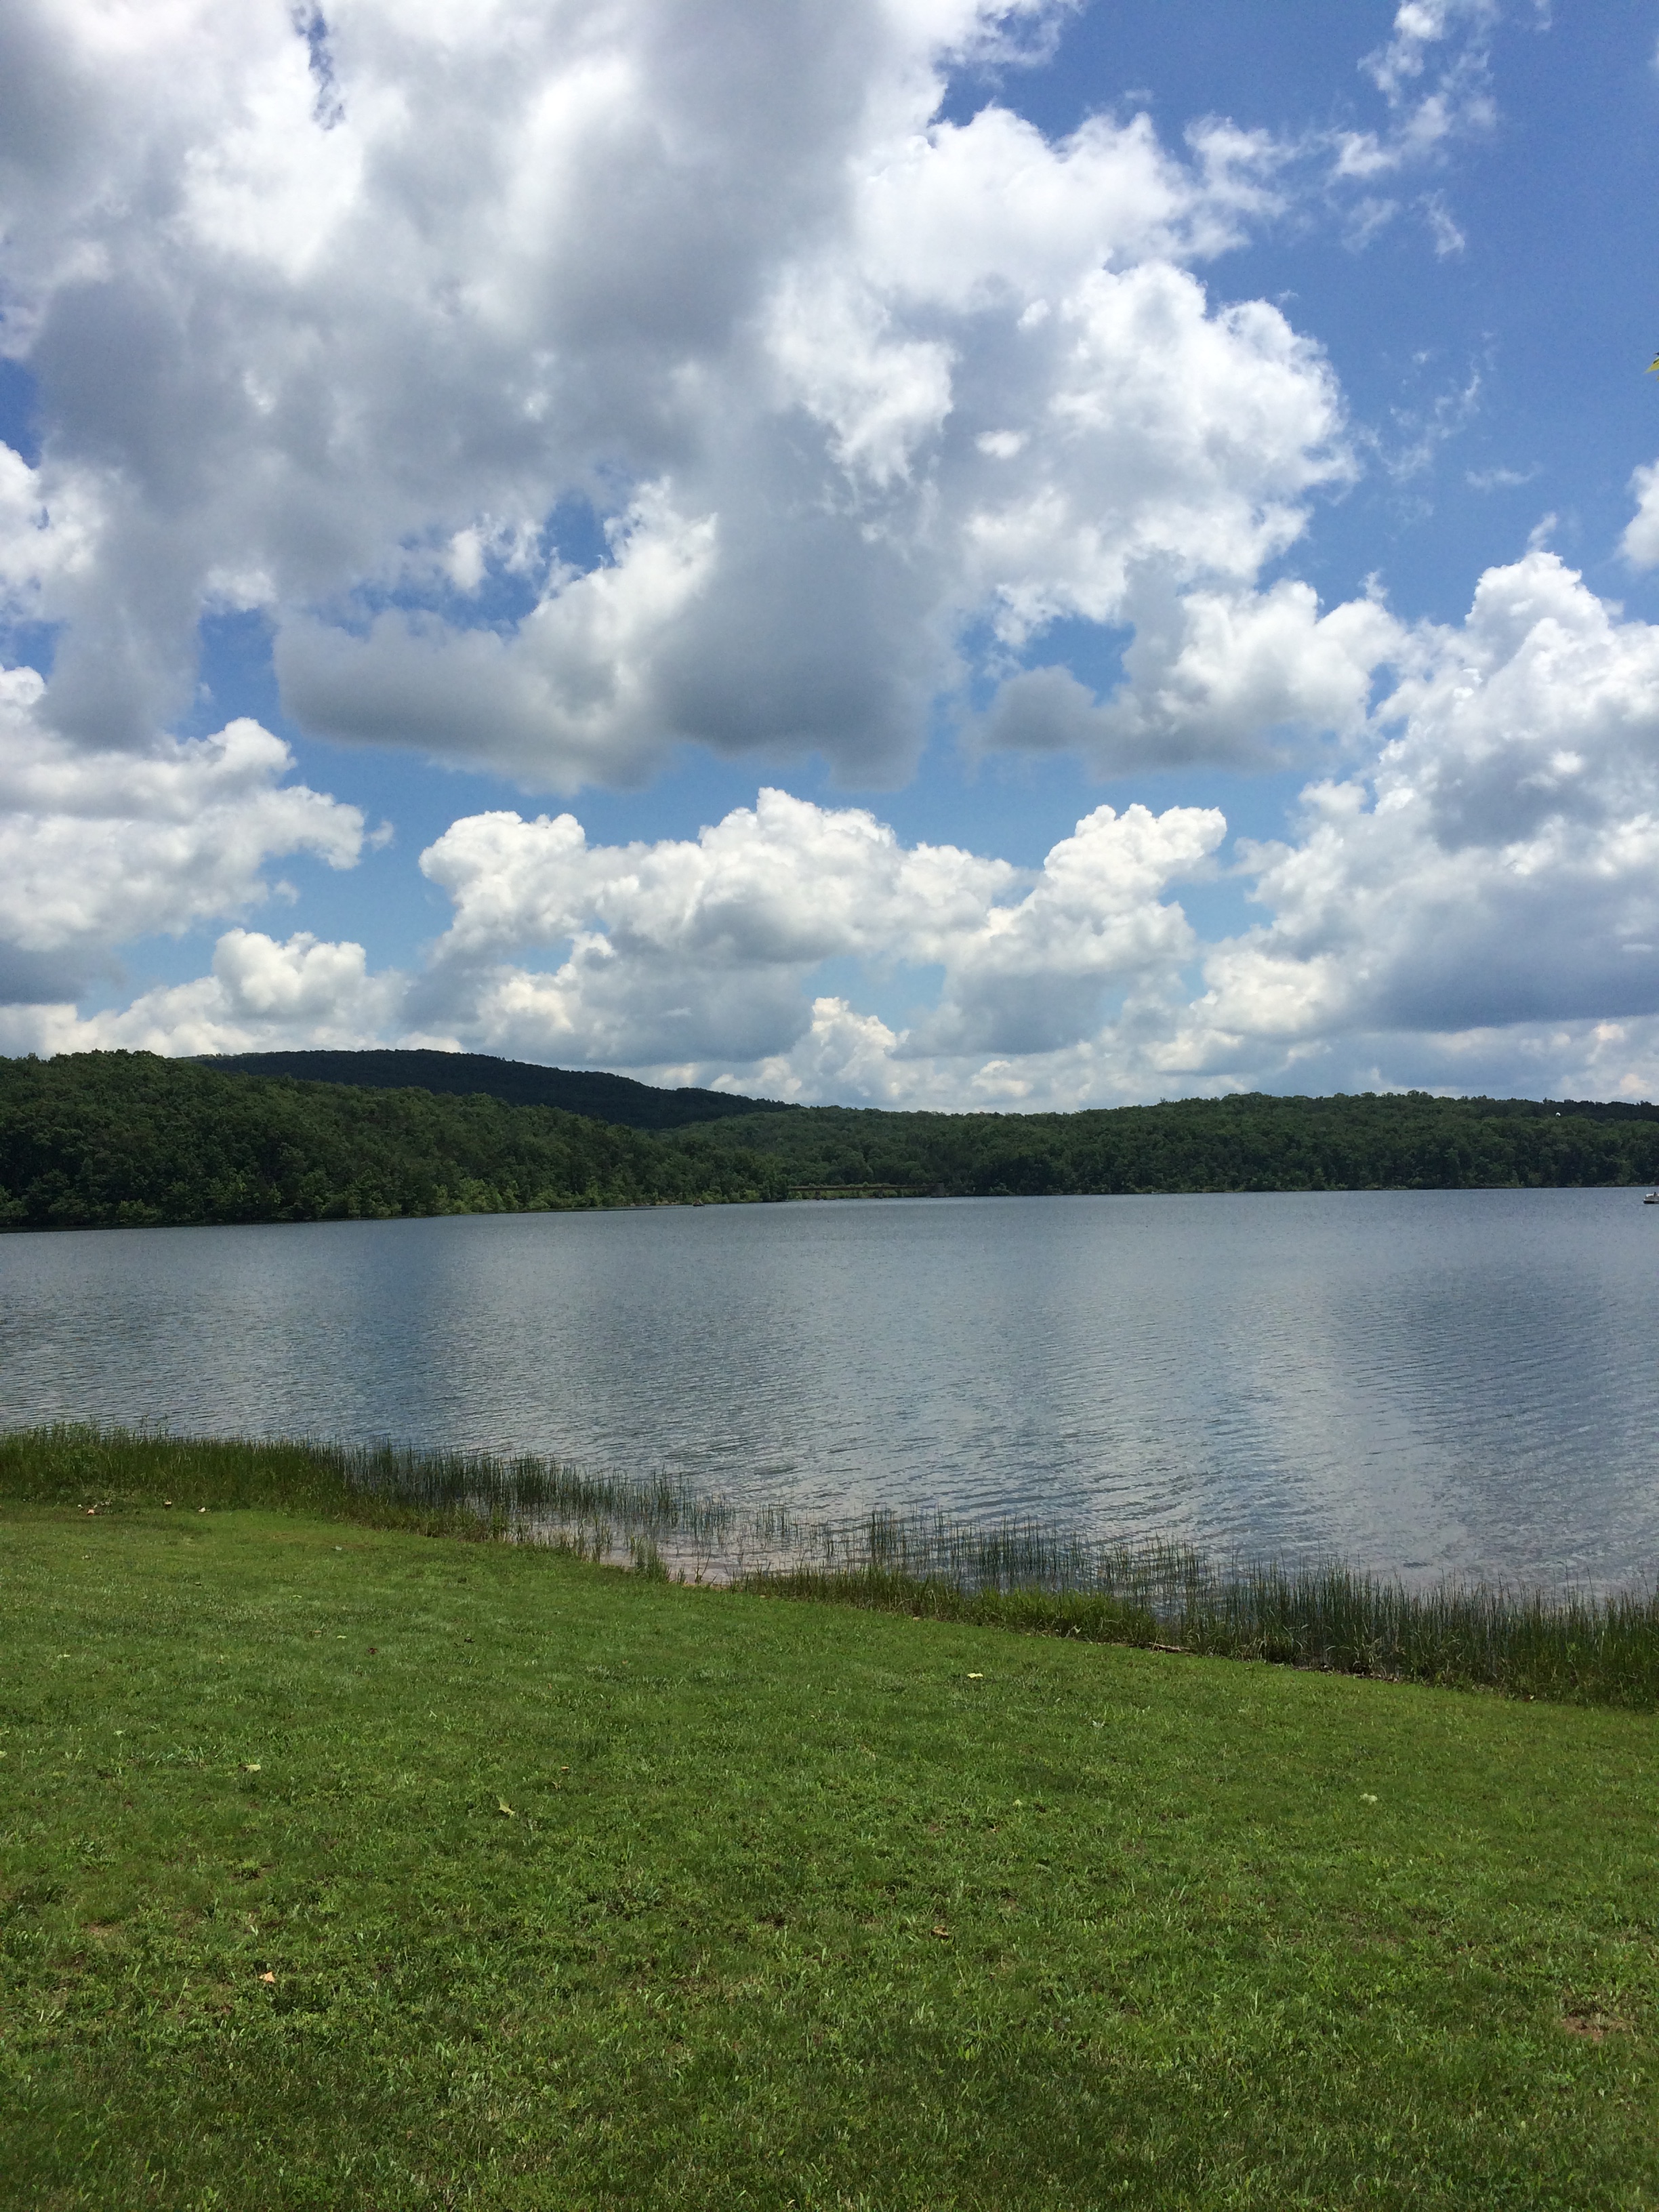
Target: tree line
x: 1408, y: 1141
x: 113, y: 1139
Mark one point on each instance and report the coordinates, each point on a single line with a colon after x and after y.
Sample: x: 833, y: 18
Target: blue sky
x: 1055, y: 450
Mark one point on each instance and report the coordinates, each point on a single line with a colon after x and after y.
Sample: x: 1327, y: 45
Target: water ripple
x: 1420, y: 1380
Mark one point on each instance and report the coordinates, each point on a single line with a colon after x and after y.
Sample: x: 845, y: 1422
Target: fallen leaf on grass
x: 944, y: 1934
x: 976, y: 1678
x: 267, y: 1978
x: 502, y: 1806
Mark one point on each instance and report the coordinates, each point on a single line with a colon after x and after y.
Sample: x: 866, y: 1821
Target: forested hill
x: 514, y: 1082
x: 104, y: 1139
x: 118, y: 1139
x: 1393, y: 1142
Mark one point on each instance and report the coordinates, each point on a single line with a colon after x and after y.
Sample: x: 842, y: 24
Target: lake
x: 1422, y: 1381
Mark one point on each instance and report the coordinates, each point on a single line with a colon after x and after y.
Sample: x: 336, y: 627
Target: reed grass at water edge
x: 1564, y: 1646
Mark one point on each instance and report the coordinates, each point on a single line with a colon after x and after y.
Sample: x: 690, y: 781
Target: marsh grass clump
x: 1573, y: 1646
x: 518, y: 1498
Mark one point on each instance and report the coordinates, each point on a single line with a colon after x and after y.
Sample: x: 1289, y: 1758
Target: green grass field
x: 793, y: 1906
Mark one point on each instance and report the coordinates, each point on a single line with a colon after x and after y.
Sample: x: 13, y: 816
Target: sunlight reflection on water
x: 1420, y: 1379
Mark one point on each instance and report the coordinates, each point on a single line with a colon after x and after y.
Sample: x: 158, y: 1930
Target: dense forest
x: 118, y: 1139
x: 111, y: 1139
x: 514, y: 1082
x: 1405, y: 1141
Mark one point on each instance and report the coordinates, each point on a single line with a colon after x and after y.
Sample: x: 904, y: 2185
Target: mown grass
x: 343, y: 1867
x: 1571, y: 1648
x: 1566, y: 1646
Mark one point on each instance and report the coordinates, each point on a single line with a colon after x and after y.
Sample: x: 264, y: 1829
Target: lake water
x: 1422, y: 1380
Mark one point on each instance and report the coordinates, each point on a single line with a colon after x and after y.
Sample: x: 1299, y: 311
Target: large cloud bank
x: 337, y: 321
x: 566, y: 384
x: 1478, y: 904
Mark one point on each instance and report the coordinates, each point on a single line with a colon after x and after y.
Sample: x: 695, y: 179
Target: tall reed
x: 462, y: 1494
x: 1574, y: 1645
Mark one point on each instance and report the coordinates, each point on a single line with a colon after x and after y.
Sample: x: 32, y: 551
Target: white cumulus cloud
x: 1499, y: 864
x: 261, y: 996
x: 1640, y: 543
x: 97, y: 846
x: 331, y: 312
x: 701, y: 951
x: 1211, y: 675
x: 1472, y: 903
x: 565, y: 385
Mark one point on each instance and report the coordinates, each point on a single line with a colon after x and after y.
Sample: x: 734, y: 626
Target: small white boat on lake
x: 1652, y: 1198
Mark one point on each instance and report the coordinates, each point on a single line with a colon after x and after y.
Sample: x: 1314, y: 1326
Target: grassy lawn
x: 793, y: 1905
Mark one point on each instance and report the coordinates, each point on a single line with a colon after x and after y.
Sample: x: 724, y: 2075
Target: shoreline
x: 1565, y: 1645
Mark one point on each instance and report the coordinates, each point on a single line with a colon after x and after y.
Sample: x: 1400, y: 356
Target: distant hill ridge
x: 617, y: 1098
x: 113, y: 1139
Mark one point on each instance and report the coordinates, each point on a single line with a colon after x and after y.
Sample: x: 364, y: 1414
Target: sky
x: 925, y: 553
